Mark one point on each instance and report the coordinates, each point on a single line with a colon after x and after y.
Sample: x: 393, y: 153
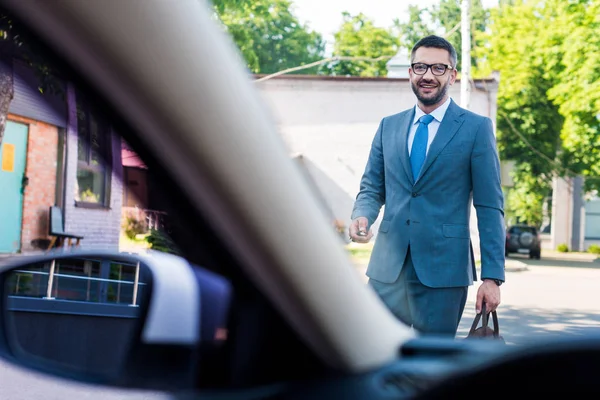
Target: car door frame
x: 219, y: 130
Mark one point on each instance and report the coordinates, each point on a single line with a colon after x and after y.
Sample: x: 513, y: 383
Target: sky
x: 325, y: 16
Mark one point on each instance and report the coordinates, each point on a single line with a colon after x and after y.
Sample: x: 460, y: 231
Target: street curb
x: 513, y: 266
x: 516, y: 269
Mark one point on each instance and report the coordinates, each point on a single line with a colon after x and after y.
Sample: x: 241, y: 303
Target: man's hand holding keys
x: 359, y: 231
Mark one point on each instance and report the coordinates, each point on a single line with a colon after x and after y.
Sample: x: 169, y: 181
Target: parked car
x: 523, y: 239
x: 296, y: 321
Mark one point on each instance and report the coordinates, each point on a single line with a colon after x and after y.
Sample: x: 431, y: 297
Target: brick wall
x: 100, y: 227
x: 42, y: 146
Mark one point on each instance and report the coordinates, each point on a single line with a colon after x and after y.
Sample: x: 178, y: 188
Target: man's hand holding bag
x: 484, y: 331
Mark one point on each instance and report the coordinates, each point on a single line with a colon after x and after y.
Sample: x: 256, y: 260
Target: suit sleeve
x: 488, y: 200
x: 371, y: 196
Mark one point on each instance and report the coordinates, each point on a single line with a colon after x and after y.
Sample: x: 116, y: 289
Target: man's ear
x: 453, y: 76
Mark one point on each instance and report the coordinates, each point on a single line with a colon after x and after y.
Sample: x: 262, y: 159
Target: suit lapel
x: 402, y: 143
x: 453, y: 119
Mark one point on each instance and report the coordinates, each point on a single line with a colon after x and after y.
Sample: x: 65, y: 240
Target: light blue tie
x: 419, y: 146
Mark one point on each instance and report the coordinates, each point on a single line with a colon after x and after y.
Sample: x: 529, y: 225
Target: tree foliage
x: 448, y: 15
x: 161, y: 241
x: 268, y: 35
x: 525, y: 200
x: 577, y: 90
x: 444, y: 19
x: 359, y: 37
x: 418, y: 25
x: 546, y: 52
x: 524, y: 110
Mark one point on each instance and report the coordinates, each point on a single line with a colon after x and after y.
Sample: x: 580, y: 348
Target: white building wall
x: 562, y: 205
x: 572, y: 220
x: 592, y: 222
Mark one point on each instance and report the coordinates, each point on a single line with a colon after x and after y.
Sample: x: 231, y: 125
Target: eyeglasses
x: 436, y: 69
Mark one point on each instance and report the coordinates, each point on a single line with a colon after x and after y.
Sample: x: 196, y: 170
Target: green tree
x: 419, y: 25
x: 577, y: 91
x: 444, y: 19
x: 221, y: 5
x: 448, y: 15
x: 525, y: 200
x: 268, y: 35
x: 549, y: 94
x: 528, y: 124
x: 161, y: 241
x: 359, y: 37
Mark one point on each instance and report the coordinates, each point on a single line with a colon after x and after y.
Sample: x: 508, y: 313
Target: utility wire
x: 544, y: 156
x: 337, y: 58
x: 326, y: 60
x: 380, y: 58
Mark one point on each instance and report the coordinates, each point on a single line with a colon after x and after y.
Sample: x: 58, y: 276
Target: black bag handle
x: 496, y: 326
x: 485, y: 321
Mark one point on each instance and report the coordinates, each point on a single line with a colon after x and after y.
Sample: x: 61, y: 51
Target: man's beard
x: 430, y: 101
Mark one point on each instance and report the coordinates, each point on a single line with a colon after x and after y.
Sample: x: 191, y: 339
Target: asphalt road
x: 556, y: 296
x: 552, y: 297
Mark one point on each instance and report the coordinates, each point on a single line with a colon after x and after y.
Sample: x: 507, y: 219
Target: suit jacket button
x: 415, y: 194
x: 408, y: 222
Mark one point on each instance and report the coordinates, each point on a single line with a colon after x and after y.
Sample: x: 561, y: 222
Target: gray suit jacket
x: 432, y: 214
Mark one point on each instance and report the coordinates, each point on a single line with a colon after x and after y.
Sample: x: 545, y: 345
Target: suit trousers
x: 429, y: 310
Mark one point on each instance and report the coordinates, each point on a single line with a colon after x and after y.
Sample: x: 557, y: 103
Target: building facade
x: 48, y: 157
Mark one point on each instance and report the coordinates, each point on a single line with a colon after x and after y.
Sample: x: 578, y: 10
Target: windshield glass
x: 336, y: 77
x: 454, y: 150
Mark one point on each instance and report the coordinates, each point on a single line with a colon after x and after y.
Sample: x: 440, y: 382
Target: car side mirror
x: 118, y: 319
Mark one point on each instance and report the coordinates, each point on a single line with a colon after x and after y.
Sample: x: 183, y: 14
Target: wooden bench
x: 56, y: 230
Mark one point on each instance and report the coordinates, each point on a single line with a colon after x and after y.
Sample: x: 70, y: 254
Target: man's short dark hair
x: 436, y: 42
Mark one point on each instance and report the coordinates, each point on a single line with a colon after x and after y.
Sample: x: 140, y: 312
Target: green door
x: 13, y: 153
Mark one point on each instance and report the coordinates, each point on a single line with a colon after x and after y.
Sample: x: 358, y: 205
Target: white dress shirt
x: 437, y: 114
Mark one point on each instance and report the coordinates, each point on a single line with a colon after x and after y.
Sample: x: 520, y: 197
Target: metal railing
x: 155, y: 220
x: 51, y: 289
x: 151, y: 219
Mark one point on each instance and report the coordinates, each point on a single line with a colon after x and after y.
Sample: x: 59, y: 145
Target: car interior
x: 242, y: 215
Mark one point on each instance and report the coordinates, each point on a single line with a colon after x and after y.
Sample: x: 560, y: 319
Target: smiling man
x: 426, y: 165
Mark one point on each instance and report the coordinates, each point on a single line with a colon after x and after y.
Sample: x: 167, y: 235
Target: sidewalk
x: 363, y: 252
x: 556, y: 259
x: 510, y: 265
x: 570, y: 256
